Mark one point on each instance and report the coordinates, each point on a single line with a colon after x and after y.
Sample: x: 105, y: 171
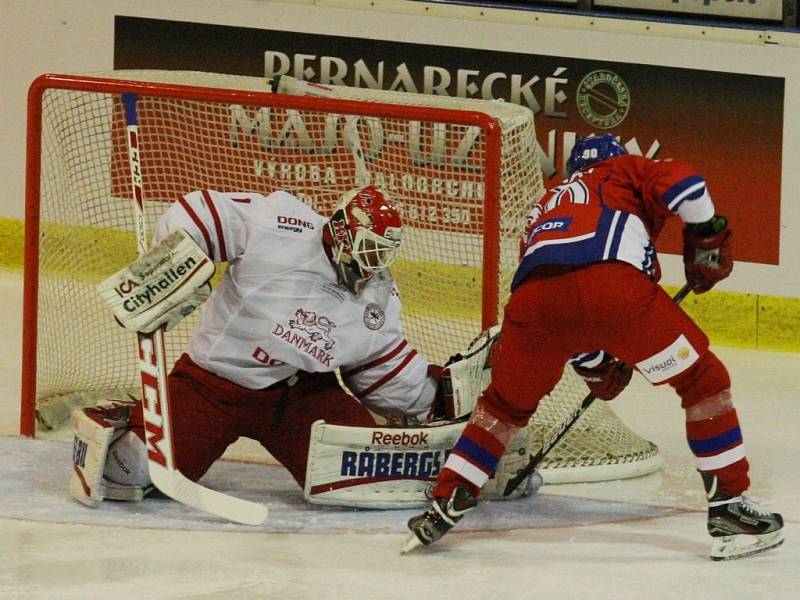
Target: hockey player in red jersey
x: 586, y: 292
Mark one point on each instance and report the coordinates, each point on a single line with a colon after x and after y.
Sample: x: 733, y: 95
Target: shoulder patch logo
x: 374, y: 317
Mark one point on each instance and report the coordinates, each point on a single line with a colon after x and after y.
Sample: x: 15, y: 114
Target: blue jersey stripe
x: 588, y: 359
x: 476, y: 454
x: 586, y: 249
x: 695, y: 195
x: 680, y: 187
x: 716, y: 443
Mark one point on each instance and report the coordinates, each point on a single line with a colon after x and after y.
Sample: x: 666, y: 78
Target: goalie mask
x: 363, y: 236
x: 590, y: 150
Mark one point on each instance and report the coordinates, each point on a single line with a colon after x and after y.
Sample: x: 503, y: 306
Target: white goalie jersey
x: 279, y: 308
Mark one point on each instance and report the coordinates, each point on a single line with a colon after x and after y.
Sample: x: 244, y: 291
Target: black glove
x: 442, y: 407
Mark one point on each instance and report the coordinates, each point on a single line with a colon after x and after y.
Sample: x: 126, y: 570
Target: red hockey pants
x: 209, y: 413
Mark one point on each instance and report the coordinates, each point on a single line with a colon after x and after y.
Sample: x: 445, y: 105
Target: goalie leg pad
x: 98, y: 432
x: 376, y: 467
x: 394, y: 467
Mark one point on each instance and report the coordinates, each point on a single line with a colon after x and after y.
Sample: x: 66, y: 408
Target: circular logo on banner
x: 603, y: 99
x: 374, y: 317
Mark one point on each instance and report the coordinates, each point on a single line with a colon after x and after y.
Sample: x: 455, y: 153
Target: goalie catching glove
x: 464, y: 377
x: 166, y: 284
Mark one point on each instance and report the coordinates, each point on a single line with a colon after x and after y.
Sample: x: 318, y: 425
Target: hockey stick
x: 548, y: 445
x: 153, y: 371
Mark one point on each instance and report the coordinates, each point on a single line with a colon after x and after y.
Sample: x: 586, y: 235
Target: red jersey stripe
x: 223, y: 254
x: 377, y: 361
x: 206, y: 236
x: 388, y: 377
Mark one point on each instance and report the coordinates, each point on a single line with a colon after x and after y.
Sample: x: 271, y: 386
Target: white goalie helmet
x: 363, y: 235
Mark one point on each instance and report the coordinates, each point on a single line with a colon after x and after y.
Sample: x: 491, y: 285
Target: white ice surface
x: 638, y: 539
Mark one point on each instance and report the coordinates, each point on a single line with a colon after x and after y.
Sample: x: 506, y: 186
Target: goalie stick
x: 548, y: 445
x: 153, y: 371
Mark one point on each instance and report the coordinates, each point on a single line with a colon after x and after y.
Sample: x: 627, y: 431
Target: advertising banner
x: 729, y: 125
x: 771, y: 10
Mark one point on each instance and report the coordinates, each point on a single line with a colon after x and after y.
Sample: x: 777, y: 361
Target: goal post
x: 463, y: 172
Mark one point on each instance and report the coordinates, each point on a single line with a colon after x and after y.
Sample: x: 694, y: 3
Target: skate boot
x: 440, y: 518
x: 739, y: 527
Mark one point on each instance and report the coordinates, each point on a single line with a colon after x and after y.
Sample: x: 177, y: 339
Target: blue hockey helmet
x: 593, y: 149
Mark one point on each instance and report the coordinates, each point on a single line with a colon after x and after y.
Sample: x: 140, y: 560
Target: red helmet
x: 364, y: 235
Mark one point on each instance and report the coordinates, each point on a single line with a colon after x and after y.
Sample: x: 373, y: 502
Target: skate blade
x: 731, y: 547
x: 412, y: 542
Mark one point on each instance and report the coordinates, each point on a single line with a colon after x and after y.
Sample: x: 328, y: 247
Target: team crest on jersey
x: 374, y: 317
x: 317, y: 327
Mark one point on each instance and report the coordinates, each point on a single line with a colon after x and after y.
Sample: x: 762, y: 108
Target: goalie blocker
x: 466, y: 374
x: 166, y: 284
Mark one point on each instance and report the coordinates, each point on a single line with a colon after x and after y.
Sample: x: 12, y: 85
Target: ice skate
x: 739, y: 527
x: 440, y: 518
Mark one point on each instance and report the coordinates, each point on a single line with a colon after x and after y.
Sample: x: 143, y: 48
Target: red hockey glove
x: 707, y: 253
x: 607, y: 379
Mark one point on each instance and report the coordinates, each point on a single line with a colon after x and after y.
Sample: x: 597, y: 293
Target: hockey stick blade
x: 412, y: 543
x: 535, y: 459
x: 177, y: 486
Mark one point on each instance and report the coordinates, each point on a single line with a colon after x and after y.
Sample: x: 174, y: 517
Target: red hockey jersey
x: 613, y: 210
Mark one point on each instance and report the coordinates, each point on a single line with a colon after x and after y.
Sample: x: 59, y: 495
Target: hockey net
x: 463, y: 172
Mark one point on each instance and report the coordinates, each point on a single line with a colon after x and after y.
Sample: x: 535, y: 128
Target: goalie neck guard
x: 363, y: 236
